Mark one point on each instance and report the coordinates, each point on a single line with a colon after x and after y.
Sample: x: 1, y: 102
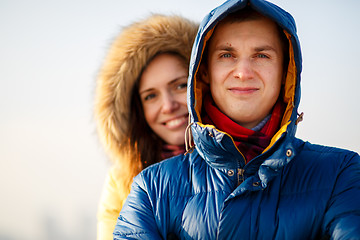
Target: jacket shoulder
x: 322, y: 148
x: 342, y: 168
x: 330, y: 153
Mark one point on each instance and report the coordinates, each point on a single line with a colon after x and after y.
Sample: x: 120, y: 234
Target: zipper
x: 240, y: 175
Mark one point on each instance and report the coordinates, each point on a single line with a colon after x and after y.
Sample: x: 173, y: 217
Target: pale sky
x: 52, y: 165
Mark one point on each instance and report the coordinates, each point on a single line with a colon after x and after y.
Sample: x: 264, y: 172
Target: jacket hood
x: 129, y: 53
x: 197, y: 88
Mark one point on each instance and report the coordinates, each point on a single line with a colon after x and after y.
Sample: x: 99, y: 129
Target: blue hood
x: 197, y: 88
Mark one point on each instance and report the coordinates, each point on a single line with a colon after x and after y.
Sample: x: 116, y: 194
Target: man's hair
x: 244, y: 14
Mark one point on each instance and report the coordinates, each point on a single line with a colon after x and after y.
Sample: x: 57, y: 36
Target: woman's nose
x: 169, y: 103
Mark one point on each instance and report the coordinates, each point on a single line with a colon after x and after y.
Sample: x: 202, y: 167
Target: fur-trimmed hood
x: 128, y: 55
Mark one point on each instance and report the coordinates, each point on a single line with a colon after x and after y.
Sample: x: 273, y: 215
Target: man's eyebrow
x: 264, y: 48
x: 224, y: 47
x: 228, y: 48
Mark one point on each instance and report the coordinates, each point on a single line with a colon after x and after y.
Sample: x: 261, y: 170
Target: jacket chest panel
x: 273, y: 214
x: 201, y: 214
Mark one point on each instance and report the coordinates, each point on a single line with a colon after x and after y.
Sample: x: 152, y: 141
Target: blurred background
x: 52, y: 166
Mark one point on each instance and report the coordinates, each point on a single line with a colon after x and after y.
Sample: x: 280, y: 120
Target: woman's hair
x: 142, y: 138
x: 121, y: 124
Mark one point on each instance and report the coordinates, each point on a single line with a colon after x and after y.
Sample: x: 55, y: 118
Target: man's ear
x: 204, y: 73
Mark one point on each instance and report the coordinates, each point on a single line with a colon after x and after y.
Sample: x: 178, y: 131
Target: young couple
x: 244, y: 175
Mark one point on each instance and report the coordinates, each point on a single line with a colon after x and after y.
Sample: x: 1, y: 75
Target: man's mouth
x: 243, y: 90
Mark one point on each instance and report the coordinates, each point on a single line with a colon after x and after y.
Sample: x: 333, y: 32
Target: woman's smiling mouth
x: 176, y: 122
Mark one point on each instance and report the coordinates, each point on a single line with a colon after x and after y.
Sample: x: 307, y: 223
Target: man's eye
x: 260, y: 55
x: 226, y: 55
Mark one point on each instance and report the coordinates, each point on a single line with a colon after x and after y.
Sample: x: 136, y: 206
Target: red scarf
x: 171, y: 150
x: 250, y: 143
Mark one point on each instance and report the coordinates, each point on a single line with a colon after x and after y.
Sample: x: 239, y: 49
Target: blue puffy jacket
x: 293, y: 190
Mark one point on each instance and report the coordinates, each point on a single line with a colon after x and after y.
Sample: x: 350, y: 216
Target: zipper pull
x: 240, y: 175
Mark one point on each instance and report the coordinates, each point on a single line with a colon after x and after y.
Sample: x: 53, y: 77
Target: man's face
x: 245, y: 69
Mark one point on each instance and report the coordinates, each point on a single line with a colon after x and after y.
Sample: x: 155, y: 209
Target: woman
x: 140, y: 104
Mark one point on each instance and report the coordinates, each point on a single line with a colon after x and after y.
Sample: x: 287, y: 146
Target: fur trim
x: 127, y: 56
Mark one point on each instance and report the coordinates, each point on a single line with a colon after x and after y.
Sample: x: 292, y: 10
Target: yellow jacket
x: 110, y: 205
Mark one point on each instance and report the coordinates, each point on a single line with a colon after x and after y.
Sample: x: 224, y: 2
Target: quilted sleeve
x: 342, y: 218
x: 136, y: 219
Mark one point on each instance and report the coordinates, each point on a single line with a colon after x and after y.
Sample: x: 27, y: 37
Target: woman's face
x: 162, y: 92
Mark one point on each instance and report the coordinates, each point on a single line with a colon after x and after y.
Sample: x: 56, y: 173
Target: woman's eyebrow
x: 169, y: 83
x: 146, y: 90
x: 177, y: 79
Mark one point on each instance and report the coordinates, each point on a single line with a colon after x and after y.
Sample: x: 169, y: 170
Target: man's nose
x: 169, y: 103
x: 243, y: 69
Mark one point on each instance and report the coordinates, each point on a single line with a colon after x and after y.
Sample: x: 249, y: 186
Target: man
x: 246, y: 176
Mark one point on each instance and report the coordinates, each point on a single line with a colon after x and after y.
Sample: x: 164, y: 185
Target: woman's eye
x: 149, y: 97
x: 182, y: 86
